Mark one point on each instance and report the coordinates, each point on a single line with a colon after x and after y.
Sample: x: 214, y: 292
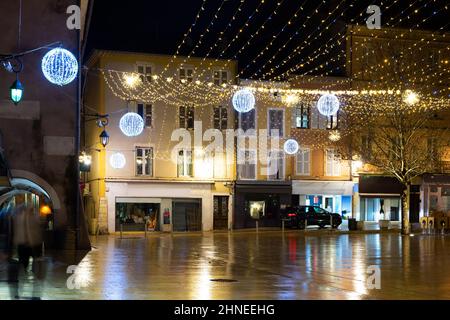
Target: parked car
x: 301, y: 216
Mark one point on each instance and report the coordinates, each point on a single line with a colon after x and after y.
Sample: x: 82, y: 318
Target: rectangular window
x: 332, y: 163
x: 186, y: 117
x: 186, y: 73
x: 184, y: 167
x: 220, y: 118
x: 246, y: 166
x: 144, y: 161
x: 276, y: 165
x: 302, y: 117
x: 303, y: 162
x: 432, y: 148
x: 276, y: 122
x: 220, y: 77
x: 145, y: 72
x: 333, y: 122
x: 247, y: 121
x: 146, y: 112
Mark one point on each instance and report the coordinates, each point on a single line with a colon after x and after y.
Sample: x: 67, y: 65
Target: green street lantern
x: 104, y: 138
x: 16, y: 91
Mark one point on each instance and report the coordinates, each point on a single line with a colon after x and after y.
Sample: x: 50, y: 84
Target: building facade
x: 160, y: 184
x: 401, y: 59
x: 39, y: 136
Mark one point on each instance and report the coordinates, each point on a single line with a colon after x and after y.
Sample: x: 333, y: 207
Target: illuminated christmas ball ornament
x: 131, y: 124
x: 243, y: 101
x: 60, y: 66
x: 117, y: 160
x: 291, y: 146
x: 410, y: 97
x: 334, y: 136
x: 328, y: 105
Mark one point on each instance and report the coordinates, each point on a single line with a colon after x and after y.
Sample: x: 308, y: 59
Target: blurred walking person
x: 26, y: 240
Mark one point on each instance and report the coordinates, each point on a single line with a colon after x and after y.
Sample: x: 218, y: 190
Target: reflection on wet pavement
x: 248, y: 265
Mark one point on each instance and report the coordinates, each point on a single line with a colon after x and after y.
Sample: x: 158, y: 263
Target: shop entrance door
x: 220, y: 212
x: 187, y: 216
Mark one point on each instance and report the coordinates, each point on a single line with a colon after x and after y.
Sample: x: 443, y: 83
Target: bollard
x: 257, y: 226
x: 430, y: 225
x: 121, y: 230
x: 424, y: 224
x: 282, y: 225
x: 443, y: 227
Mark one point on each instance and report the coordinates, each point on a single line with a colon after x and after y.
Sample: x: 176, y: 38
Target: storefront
x: 260, y: 201
x: 164, y: 206
x: 379, y: 198
x: 435, y: 194
x: 333, y: 196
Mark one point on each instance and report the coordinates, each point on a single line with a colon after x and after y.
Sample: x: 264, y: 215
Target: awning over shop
x: 275, y: 187
x: 379, y: 186
x: 332, y: 188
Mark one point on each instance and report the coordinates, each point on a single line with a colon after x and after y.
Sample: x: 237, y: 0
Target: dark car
x: 301, y: 216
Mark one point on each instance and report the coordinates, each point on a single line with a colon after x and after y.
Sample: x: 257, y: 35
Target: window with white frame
x: 332, y: 163
x: 246, y: 166
x: 220, y: 118
x: 186, y: 117
x: 275, y: 165
x: 275, y: 119
x: 184, y: 163
x: 146, y: 112
x: 186, y: 74
x: 144, y: 161
x: 247, y: 120
x: 303, y: 162
x: 302, y: 116
x: 220, y: 77
x: 145, y: 72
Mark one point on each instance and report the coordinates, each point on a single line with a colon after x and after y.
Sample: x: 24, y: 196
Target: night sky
x: 157, y: 26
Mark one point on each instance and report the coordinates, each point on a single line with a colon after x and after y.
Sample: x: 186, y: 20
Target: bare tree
x: 397, y: 139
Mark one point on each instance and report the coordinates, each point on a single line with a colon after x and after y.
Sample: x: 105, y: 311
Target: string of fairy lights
x: 324, y: 49
x: 335, y: 42
x: 200, y: 94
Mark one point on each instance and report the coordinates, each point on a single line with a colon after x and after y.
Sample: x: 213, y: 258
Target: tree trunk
x: 405, y: 210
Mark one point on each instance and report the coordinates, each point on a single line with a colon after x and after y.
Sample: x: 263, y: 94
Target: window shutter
x: 295, y: 112
x: 216, y: 119
x: 140, y: 110
x: 224, y: 114
x: 148, y: 115
x: 190, y: 117
x: 182, y: 117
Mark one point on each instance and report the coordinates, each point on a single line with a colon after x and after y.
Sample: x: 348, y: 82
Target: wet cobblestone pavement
x: 250, y: 265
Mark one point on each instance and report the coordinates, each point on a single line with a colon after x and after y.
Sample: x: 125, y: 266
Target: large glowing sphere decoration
x: 328, y: 105
x: 291, y: 146
x: 60, y: 66
x: 243, y: 101
x: 117, y: 160
x: 131, y: 124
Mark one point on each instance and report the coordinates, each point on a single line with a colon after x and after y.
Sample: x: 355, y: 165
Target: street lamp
x: 104, y: 138
x: 16, y: 91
